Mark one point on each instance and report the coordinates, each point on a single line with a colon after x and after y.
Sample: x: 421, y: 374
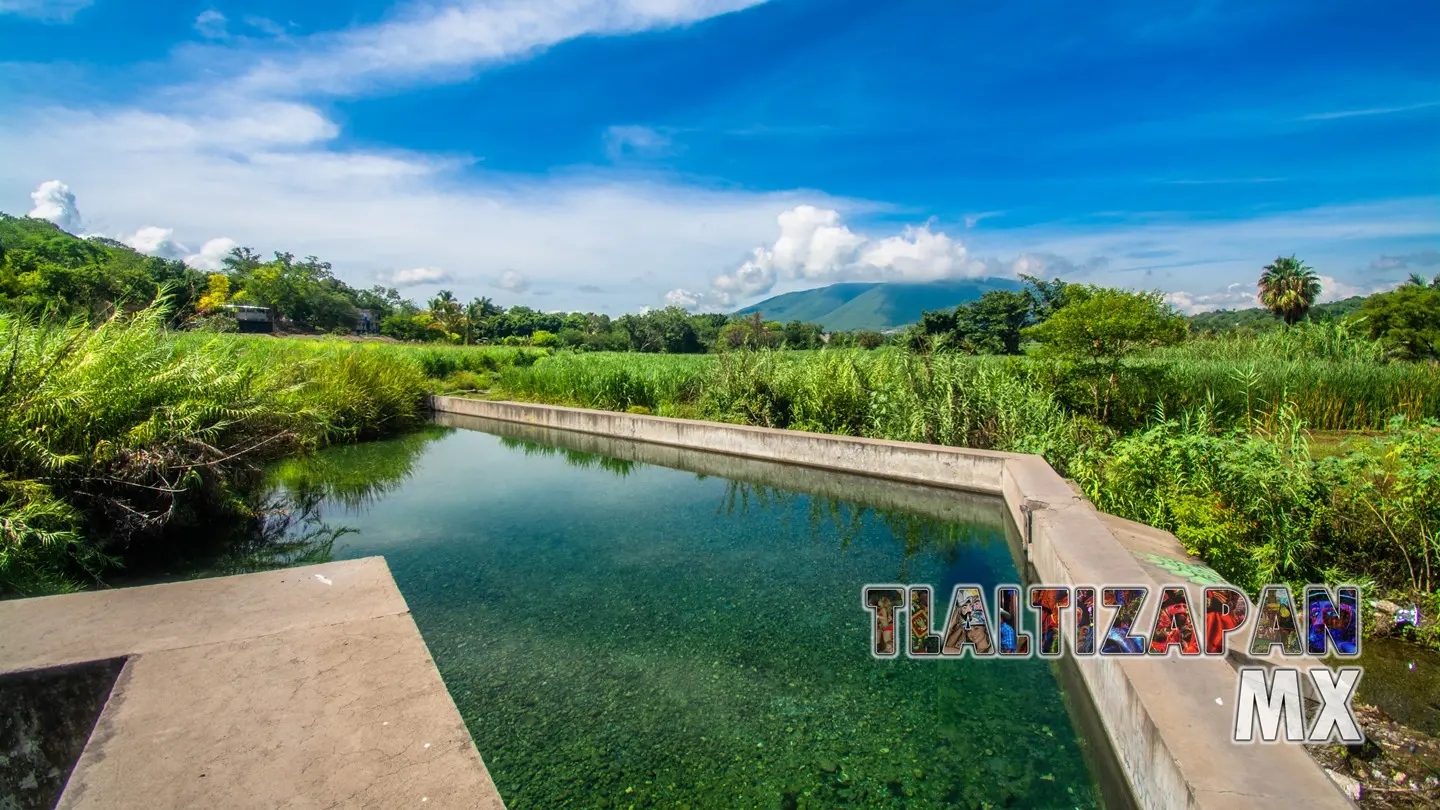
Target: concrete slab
x: 306, y: 688
x: 52, y: 630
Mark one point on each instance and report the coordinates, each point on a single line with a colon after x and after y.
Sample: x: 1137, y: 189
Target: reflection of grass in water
x: 575, y: 458
x: 286, y: 526
x: 286, y: 533
x: 355, y: 475
x: 920, y: 534
x: 290, y: 529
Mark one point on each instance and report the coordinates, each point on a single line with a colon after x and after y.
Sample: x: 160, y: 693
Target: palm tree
x: 475, y: 313
x: 1288, y: 288
x: 1417, y: 280
x: 445, y: 310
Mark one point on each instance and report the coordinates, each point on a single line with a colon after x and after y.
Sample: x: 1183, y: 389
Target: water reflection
x: 283, y: 521
x: 353, y: 476
x: 575, y: 458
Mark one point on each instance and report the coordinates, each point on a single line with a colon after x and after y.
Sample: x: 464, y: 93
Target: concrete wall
x: 1167, y: 720
x: 974, y: 470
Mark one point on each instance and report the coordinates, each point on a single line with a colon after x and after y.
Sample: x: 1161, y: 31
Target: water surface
x: 618, y: 633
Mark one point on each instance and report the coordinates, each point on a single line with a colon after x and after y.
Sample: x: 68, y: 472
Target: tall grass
x: 610, y: 380
x: 111, y: 434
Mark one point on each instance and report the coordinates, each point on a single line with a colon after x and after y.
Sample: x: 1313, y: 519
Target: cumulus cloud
x: 513, y: 282
x: 1332, y: 289
x: 211, y: 24
x: 212, y: 254
x: 55, y: 202
x: 684, y: 298
x: 1238, y: 295
x: 415, y: 277
x: 155, y: 241
x: 815, y: 246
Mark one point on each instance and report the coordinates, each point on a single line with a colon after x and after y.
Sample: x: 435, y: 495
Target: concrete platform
x: 307, y: 688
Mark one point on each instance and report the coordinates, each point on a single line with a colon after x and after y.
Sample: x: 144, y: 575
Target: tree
x: 869, y: 339
x: 993, y: 323
x: 1100, y: 327
x: 477, y: 312
x: 802, y: 335
x: 217, y: 293
x: 1288, y: 288
x: 1406, y: 320
x: 1047, y: 297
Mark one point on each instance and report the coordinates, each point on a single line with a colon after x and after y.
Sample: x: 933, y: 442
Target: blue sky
x: 610, y: 155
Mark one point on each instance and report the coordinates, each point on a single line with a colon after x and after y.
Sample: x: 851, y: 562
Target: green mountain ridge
x: 851, y: 306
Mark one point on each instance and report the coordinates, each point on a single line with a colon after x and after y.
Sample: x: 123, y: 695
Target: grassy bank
x: 115, y: 437
x: 1210, y: 441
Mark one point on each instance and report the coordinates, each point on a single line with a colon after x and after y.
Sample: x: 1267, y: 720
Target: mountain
x: 847, y: 307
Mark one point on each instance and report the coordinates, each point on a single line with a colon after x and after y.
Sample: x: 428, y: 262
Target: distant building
x: 251, y: 319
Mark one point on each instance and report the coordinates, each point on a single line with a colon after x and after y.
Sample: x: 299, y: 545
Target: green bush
x: 110, y: 434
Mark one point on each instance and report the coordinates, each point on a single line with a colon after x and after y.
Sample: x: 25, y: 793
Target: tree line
x: 45, y: 269
x: 1405, y: 320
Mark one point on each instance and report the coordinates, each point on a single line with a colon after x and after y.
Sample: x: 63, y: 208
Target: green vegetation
x: 1259, y: 319
x: 1407, y: 320
x: 44, y: 269
x: 1289, y: 288
x: 119, y: 438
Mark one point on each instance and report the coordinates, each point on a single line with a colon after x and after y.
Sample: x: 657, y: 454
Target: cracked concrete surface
x: 264, y: 690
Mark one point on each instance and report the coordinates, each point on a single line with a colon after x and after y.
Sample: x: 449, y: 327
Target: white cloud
x: 265, y: 25
x: 46, y: 10
x: 212, y: 254
x: 211, y: 24
x: 513, y: 281
x: 55, y: 202
x: 1327, y: 116
x: 425, y: 40
x: 627, y: 141
x: 155, y: 241
x: 415, y: 276
x: 1238, y: 295
x: 290, y: 188
x: 815, y: 246
x: 1332, y: 289
x: 684, y: 298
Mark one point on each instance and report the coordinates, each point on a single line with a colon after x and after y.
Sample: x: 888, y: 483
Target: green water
x: 623, y: 634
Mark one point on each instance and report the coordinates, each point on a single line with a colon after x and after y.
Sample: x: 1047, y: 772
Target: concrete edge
x: 1152, y: 710
x: 323, y: 663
